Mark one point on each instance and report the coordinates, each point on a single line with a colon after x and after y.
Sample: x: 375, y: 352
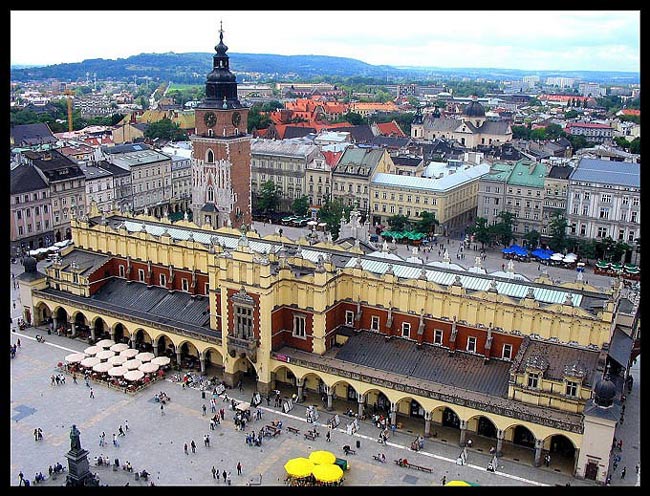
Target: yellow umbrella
x: 322, y: 457
x: 299, y: 467
x: 327, y: 472
x: 457, y: 483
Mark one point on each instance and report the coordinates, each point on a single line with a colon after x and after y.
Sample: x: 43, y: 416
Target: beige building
x: 353, y: 173
x: 284, y: 162
x: 452, y: 198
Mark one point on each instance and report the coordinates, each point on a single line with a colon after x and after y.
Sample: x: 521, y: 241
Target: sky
x: 562, y: 40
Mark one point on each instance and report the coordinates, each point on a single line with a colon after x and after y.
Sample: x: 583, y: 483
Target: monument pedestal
x: 79, y: 473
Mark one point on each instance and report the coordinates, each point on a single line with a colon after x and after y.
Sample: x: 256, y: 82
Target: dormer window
x: 533, y: 380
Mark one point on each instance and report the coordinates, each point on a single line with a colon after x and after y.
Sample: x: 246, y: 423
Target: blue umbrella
x: 509, y: 249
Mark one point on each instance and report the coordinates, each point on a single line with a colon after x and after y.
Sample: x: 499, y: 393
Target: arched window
x: 210, y: 194
x: 210, y: 156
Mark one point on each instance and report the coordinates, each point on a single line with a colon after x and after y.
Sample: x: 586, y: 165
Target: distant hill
x: 192, y: 67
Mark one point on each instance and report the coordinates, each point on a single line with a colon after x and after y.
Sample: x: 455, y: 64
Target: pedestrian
x: 228, y: 477
x: 193, y: 445
x: 74, y: 378
x: 204, y: 409
x: 224, y: 475
x: 214, y: 472
x: 18, y: 341
x: 35, y: 434
x: 328, y: 436
x: 40, y: 434
x: 115, y: 443
x: 238, y: 468
x: 623, y: 472
x: 120, y: 431
x: 126, y: 425
x: 185, y: 449
x: 637, y: 468
x: 222, y: 413
x: 21, y: 478
x: 92, y: 393
x: 218, y: 475
x: 443, y: 480
x: 162, y: 409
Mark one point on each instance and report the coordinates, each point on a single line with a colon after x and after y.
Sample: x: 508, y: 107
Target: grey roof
x: 360, y: 134
x: 24, y: 178
x: 93, y: 172
x: 558, y: 357
x: 157, y: 303
x: 391, y: 141
x: 32, y: 134
x: 431, y: 363
x: 55, y: 166
x: 209, y: 207
x: 87, y: 261
x: 608, y: 172
x: 125, y: 148
x: 560, y: 172
x: 116, y: 170
x: 298, y: 131
x: 620, y: 348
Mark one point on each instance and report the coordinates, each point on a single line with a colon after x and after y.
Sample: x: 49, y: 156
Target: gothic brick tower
x: 221, y: 155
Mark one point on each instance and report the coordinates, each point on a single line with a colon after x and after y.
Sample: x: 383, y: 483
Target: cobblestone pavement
x: 155, y: 442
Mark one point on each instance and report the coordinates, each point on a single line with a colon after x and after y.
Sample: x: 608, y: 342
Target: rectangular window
x: 20, y: 230
x: 406, y: 329
x: 243, y: 322
x: 602, y: 232
x: 185, y: 285
x: 583, y: 229
x: 163, y: 280
x: 572, y: 388
x: 633, y: 217
x: 349, y: 317
x: 120, y: 270
x: 604, y: 213
x: 437, y: 336
x: 141, y: 275
x: 19, y: 214
x: 299, y: 325
x: 374, y: 323
x: 507, y: 351
x: 471, y: 344
x: 533, y: 380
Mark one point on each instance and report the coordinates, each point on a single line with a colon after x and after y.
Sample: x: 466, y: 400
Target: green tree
x: 586, y: 248
x: 300, y: 206
x: 331, y: 213
x: 481, y: 231
x: 554, y: 131
x: 532, y: 239
x: 399, y: 222
x: 502, y: 230
x: 557, y: 229
x: 165, y: 129
x: 571, y: 114
x: 268, y: 197
x: 427, y: 223
x: 520, y: 132
x: 257, y: 119
x: 635, y: 146
x: 354, y: 118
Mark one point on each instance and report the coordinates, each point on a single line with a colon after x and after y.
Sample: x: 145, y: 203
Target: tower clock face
x: 236, y: 119
x: 210, y: 119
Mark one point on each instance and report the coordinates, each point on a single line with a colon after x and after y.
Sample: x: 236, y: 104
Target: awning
x: 620, y: 348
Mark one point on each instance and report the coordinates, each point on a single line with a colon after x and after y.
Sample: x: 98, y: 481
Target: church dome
x: 474, y: 109
x: 604, y: 392
x: 30, y: 264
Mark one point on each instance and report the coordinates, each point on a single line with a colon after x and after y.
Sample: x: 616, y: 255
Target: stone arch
x: 120, y: 332
x: 244, y: 370
x: 99, y: 328
x: 209, y: 156
x: 189, y: 354
x: 61, y: 318
x: 142, y: 340
x: 562, y: 450
x: 482, y: 425
x: 377, y: 401
x: 520, y: 435
x: 313, y: 387
x: 165, y: 346
x: 80, y: 324
x: 42, y: 313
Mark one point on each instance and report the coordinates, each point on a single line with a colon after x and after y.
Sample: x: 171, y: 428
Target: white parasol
x: 148, y: 367
x: 117, y: 360
x: 117, y: 371
x: 75, y: 357
x: 103, y: 367
x: 90, y: 362
x: 145, y: 356
x: 105, y: 354
x: 161, y: 360
x: 132, y: 364
x: 105, y: 343
x: 134, y: 375
x: 92, y: 350
x: 119, y: 347
x: 130, y: 353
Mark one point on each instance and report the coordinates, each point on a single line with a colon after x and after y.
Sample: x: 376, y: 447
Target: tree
x: 586, y: 248
x: 331, y: 213
x: 502, y: 231
x: 165, y: 129
x: 481, y: 231
x: 635, y: 146
x: 557, y: 228
x: 427, y: 222
x: 532, y: 238
x: 354, y: 118
x: 398, y: 222
x: 268, y: 198
x: 300, y: 206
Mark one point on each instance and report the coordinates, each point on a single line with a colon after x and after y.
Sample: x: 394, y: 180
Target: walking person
x: 238, y: 468
x: 193, y: 446
x: 214, y: 472
x: 185, y: 449
x: 162, y: 409
x: 126, y: 425
x: 115, y: 443
x: 623, y: 472
x: 443, y: 480
x: 120, y: 431
x: 228, y: 477
x: 204, y: 409
x: 224, y: 475
x: 92, y: 393
x: 74, y: 378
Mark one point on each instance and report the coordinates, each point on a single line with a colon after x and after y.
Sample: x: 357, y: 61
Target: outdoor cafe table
x: 132, y: 364
x: 130, y: 353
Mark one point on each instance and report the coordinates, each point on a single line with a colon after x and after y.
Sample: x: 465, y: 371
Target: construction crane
x: 69, y: 94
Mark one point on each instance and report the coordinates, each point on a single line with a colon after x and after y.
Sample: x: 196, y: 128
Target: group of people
x: 253, y: 439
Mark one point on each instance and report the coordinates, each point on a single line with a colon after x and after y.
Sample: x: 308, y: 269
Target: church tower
x: 221, y: 150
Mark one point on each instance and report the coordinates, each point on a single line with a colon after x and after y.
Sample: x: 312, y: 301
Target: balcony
x: 239, y: 347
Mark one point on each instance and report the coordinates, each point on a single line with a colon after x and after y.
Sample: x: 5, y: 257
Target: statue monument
x: 79, y: 473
